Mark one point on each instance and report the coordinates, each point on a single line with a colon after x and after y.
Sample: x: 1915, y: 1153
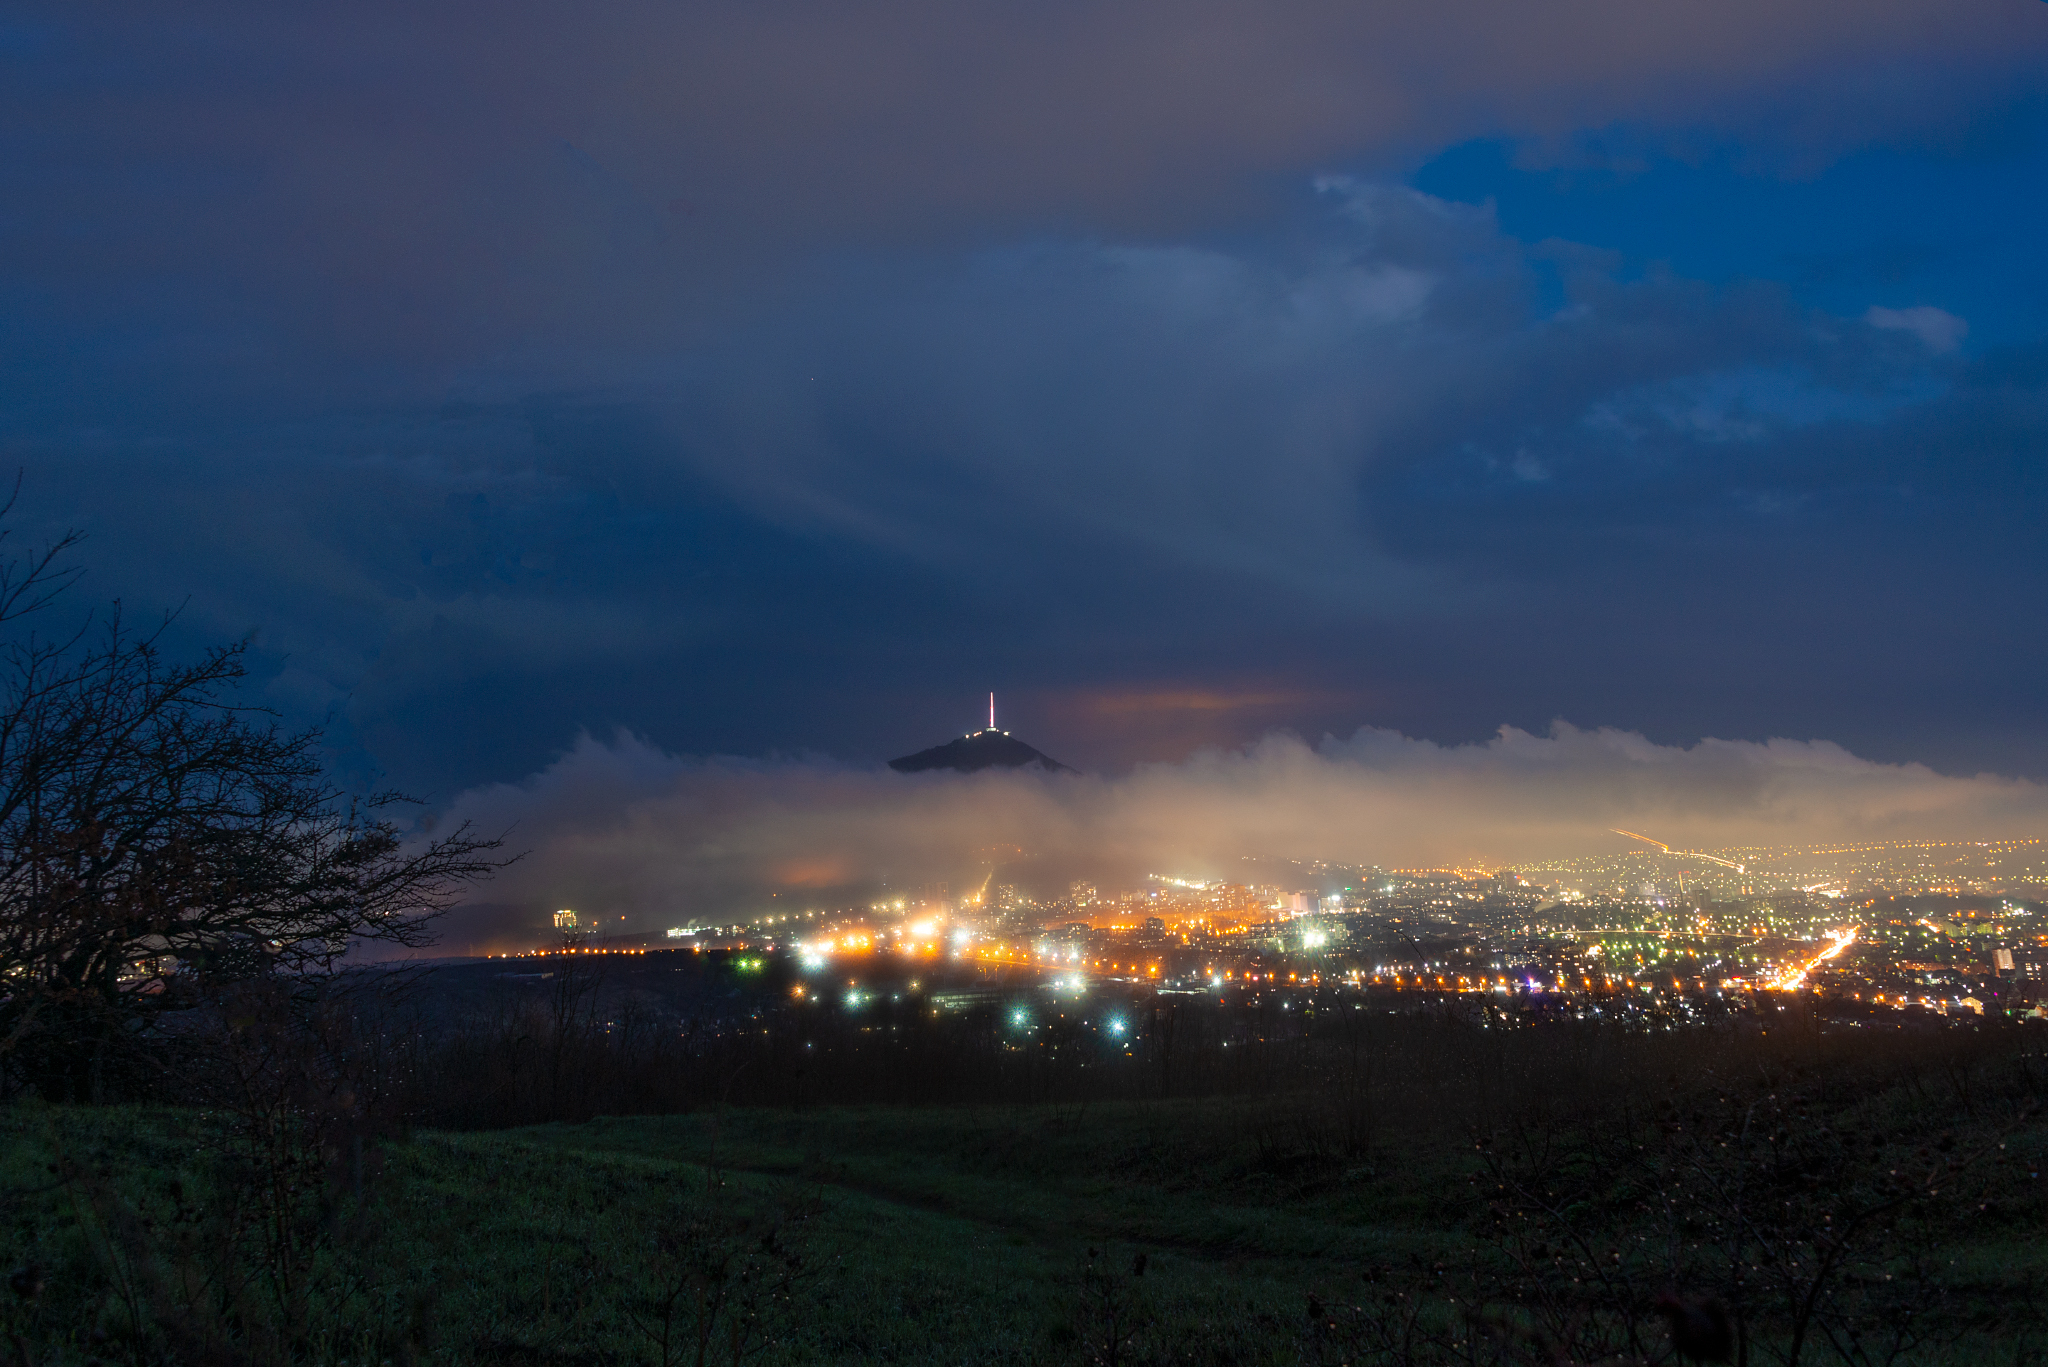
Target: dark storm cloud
x: 1294, y: 467
x: 761, y: 377
x: 1238, y: 412
x: 440, y: 183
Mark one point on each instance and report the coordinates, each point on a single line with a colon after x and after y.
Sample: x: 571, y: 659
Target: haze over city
x: 661, y: 840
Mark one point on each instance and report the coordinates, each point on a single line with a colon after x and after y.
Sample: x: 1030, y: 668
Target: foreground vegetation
x: 1812, y: 1198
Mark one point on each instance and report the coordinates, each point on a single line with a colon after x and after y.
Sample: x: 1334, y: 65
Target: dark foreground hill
x: 1443, y: 1195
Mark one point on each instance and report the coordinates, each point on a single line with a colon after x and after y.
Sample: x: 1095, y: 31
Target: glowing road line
x: 1792, y: 982
x: 1682, y: 854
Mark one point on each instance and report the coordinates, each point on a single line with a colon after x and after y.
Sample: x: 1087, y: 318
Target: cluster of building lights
x: 1611, y: 925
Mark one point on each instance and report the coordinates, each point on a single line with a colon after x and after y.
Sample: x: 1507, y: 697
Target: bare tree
x: 155, y: 834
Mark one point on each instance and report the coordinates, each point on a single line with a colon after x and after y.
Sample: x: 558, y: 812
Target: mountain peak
x: 987, y: 748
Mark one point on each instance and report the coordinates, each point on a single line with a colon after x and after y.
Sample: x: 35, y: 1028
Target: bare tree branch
x: 155, y: 834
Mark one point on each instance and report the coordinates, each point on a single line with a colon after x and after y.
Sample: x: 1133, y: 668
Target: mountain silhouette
x: 984, y: 749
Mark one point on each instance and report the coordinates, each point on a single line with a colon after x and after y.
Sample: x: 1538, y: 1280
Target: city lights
x: 1652, y: 934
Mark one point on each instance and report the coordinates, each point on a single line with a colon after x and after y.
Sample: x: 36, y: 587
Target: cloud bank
x: 779, y: 375
x: 624, y: 829
x: 437, y: 178
x: 1400, y: 441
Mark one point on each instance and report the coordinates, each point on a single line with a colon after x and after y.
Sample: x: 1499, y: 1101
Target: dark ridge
x: 985, y: 749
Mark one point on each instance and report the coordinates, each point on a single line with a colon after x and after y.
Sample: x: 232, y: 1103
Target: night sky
x: 773, y: 380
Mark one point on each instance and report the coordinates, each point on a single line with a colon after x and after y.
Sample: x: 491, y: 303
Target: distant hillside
x: 985, y: 749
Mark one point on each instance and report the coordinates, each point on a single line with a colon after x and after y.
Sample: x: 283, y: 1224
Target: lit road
x: 1680, y: 854
x: 1838, y: 940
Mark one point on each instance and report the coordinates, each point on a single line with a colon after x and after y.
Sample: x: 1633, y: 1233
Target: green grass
x: 958, y: 1235
x: 942, y: 1235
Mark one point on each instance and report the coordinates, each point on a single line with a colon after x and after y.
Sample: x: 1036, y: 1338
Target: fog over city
x: 622, y: 825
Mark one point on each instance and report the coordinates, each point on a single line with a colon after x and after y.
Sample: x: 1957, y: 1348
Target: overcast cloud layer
x: 778, y: 379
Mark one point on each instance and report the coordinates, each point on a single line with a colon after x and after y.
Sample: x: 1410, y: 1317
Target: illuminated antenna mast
x: 991, y: 711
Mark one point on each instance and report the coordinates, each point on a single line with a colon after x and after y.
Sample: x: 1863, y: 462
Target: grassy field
x: 961, y: 1236
x: 957, y: 1236
x: 964, y: 1235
